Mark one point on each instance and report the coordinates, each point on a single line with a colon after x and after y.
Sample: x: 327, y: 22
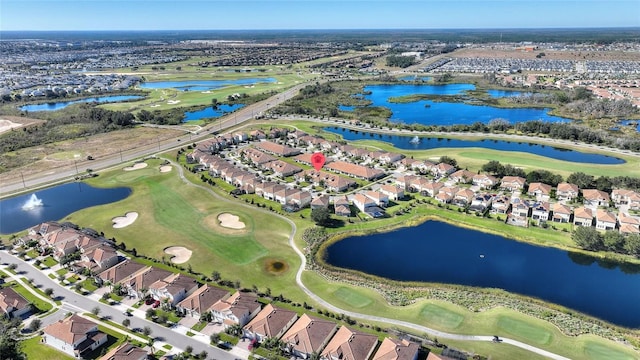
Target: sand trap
x: 154, y: 105
x: 123, y: 221
x: 230, y: 221
x: 136, y: 166
x: 180, y: 254
x: 173, y: 102
x: 206, y: 92
x: 165, y: 168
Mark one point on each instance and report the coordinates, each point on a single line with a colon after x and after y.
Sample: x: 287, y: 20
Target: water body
x: 202, y: 85
x: 429, y: 112
x: 443, y: 253
x: 210, y: 112
x: 505, y: 93
x: 53, y: 106
x: 427, y: 143
x: 635, y: 123
x: 56, y: 203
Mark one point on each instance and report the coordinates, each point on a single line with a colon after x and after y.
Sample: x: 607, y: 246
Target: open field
x: 474, y: 52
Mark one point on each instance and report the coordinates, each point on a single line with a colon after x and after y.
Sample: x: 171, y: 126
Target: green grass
x: 596, y: 350
x: 167, y: 346
x: 62, y: 271
x: 440, y: 316
x: 198, y: 326
x: 351, y: 297
x: 41, y: 305
x: 49, y: 261
x: 515, y: 327
x: 36, y: 350
x: 89, y: 285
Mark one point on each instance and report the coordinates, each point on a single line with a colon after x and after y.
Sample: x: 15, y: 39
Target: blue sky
x: 313, y: 14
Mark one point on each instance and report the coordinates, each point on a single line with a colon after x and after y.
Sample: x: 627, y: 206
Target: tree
x: 203, y: 354
x: 48, y: 292
x: 9, y: 344
x: 632, y: 245
x: 215, y: 275
x: 95, y: 311
x: 35, y: 325
x: 188, y: 349
x: 126, y: 322
x: 146, y: 331
x: 587, y: 238
x: 448, y: 160
x: 321, y: 216
x: 613, y: 241
x: 581, y: 179
x: 214, y: 338
x: 151, y: 312
x: 493, y: 167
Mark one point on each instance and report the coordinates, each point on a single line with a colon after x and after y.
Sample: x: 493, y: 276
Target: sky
x: 314, y: 14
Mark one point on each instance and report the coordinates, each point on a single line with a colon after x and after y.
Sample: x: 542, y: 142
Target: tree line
x: 588, y: 238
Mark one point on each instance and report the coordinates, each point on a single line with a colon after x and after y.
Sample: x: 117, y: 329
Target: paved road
x: 35, y: 179
x: 73, y: 301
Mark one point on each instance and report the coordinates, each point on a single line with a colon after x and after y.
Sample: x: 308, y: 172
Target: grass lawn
x: 597, y: 349
x: 198, y: 326
x: 515, y: 327
x: 441, y: 316
x: 62, y: 271
x: 36, y: 350
x: 43, y: 306
x: 49, y: 261
x: 351, y: 297
x: 89, y: 285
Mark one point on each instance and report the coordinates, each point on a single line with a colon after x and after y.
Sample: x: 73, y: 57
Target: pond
x: 52, y: 106
x: 506, y: 93
x: 426, y: 143
x: 21, y: 212
x: 210, y: 112
x: 203, y: 85
x: 442, y: 253
x: 443, y: 113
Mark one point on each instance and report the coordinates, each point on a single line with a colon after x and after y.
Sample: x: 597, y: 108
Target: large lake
x: 426, y: 143
x: 202, y: 85
x: 52, y: 106
x: 439, y: 252
x: 430, y: 112
x: 211, y: 112
x: 56, y: 203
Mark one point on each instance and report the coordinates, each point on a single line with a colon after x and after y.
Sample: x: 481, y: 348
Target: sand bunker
x: 173, y: 102
x: 165, y: 168
x: 6, y: 125
x: 136, y: 166
x: 179, y: 254
x: 230, y: 221
x: 123, y: 221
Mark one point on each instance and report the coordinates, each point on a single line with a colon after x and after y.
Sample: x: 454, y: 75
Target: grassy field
x: 172, y: 212
x: 36, y: 350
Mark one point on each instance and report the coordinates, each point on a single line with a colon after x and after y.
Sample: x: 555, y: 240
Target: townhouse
x: 271, y: 322
x: 202, y: 300
x: 237, y: 309
x: 277, y: 149
x: 308, y: 335
x: 355, y: 170
x: 173, y: 289
x: 349, y: 344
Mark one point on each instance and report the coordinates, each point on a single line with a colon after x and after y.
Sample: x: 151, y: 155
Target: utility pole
x: 75, y: 162
x: 120, y: 155
x: 23, y: 183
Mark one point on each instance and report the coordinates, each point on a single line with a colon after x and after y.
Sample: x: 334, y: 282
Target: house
x: 561, y: 213
x: 308, y: 335
x: 239, y: 308
x: 258, y: 135
x: 321, y: 202
x: 446, y: 194
x: 341, y: 206
x: 282, y: 169
x: 434, y: 356
x: 462, y: 177
x: 512, y: 183
x: 256, y: 157
x: 202, y: 300
x: 605, y: 220
x: 380, y: 198
x: 393, y: 192
x: 12, y: 304
x: 594, y: 198
x: 389, y: 157
x: 463, y: 197
x: 98, y: 258
x: 126, y: 351
x: 540, y: 211
x: 628, y: 224
x: 277, y: 149
x: 137, y: 285
x: 404, y: 181
x: 541, y: 191
x: 626, y: 197
x: 349, y: 344
x: 363, y: 202
x: 74, y: 336
x: 355, y: 170
x: 394, y: 349
x: 481, y: 202
x: 174, y: 288
x: 119, y: 272
x: 427, y: 188
x: 442, y: 170
x: 567, y: 192
x: 583, y: 216
x: 501, y: 204
x: 520, y: 207
x: 271, y: 322
x: 484, y: 181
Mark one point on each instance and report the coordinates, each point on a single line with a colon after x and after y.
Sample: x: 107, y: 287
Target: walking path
x: 327, y: 305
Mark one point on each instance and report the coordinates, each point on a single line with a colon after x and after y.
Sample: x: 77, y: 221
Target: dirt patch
x: 275, y: 266
x: 165, y: 168
x: 13, y: 122
x: 179, y: 254
x: 136, y: 166
x: 230, y: 221
x: 120, y: 222
x: 549, y: 54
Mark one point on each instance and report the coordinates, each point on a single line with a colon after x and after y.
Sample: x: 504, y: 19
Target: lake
x: 202, y: 85
x: 56, y: 203
x: 52, y: 106
x: 442, y: 253
x: 415, y: 78
x: 210, y: 112
x: 444, y: 113
x: 426, y: 143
